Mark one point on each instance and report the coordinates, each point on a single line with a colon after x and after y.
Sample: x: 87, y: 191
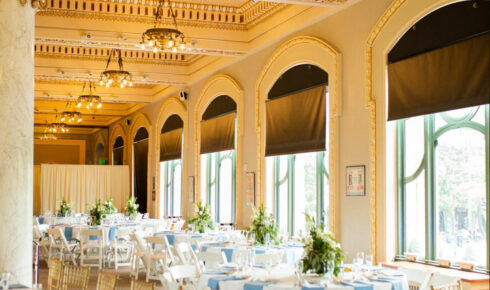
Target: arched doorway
x: 296, y: 147
x: 218, y: 158
x: 118, y: 151
x: 171, y: 144
x: 100, y: 158
x: 140, y: 168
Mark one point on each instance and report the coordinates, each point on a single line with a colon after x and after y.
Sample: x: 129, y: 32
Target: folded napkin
x: 68, y: 233
x: 358, y: 285
x: 213, y: 283
x: 312, y: 286
x: 256, y: 285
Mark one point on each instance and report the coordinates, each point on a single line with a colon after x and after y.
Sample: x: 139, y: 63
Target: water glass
x: 369, y: 260
x: 360, y: 257
x: 4, y: 280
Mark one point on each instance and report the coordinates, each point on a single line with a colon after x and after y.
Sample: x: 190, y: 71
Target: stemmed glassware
x: 299, y: 271
x: 4, y: 280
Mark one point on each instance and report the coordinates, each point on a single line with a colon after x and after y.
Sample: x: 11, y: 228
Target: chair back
x: 186, y: 254
x: 92, y: 235
x: 180, y: 272
x: 122, y: 233
x: 211, y: 260
x: 55, y: 273
x: 106, y: 281
x: 57, y: 237
x: 76, y: 276
x: 141, y: 285
x: 417, y: 279
x: 445, y: 282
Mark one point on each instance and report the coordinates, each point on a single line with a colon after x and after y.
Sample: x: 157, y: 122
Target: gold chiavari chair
x: 55, y: 273
x: 141, y: 285
x: 76, y: 276
x: 106, y: 281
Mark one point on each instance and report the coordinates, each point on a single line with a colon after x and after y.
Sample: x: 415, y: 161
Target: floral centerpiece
x: 96, y: 211
x: 109, y: 208
x: 323, y: 253
x: 203, y: 219
x: 264, y: 227
x: 131, y: 209
x: 65, y: 208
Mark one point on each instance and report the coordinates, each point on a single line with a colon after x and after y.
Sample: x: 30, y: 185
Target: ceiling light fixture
x: 159, y: 38
x: 113, y: 78
x: 71, y: 117
x: 58, y: 128
x: 89, y: 100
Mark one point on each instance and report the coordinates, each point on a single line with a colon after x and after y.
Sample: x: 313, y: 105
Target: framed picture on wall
x: 191, y: 189
x: 250, y: 188
x: 355, y: 181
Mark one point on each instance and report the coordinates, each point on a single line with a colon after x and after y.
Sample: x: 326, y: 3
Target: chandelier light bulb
x: 67, y: 130
x: 54, y: 129
x: 122, y: 86
x: 90, y: 104
x: 79, y: 104
x: 79, y: 120
x: 150, y: 43
x: 182, y: 46
x: 170, y: 43
x: 62, y: 119
x: 130, y: 84
x: 99, y: 106
x: 143, y: 47
x: 101, y: 83
x: 155, y: 50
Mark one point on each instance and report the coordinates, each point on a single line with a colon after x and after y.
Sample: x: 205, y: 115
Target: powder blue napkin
x: 228, y: 252
x: 256, y: 285
x: 214, y: 272
x: 68, y: 233
x: 41, y: 220
x: 213, y: 283
x: 358, y: 285
x: 312, y: 286
x: 171, y: 239
x: 111, y: 233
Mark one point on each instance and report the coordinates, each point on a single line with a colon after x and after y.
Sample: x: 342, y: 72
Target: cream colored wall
x: 346, y: 31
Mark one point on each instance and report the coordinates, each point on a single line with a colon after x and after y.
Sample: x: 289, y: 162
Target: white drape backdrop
x: 82, y: 185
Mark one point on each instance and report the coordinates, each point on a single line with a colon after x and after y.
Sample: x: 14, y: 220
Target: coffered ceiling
x: 74, y: 38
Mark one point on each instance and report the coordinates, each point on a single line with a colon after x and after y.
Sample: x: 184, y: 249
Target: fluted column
x: 16, y: 138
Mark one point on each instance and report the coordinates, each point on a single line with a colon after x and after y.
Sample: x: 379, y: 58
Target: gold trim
x: 171, y: 106
x: 217, y: 86
x: 335, y: 109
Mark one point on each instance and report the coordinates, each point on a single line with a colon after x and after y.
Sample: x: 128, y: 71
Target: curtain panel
x: 296, y: 123
x: 82, y: 185
x: 448, y: 78
x: 218, y: 134
x: 171, y: 145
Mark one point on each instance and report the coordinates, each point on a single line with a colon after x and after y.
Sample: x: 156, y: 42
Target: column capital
x: 36, y: 4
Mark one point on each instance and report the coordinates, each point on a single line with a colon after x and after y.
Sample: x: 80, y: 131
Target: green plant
x: 96, y: 211
x: 264, y: 224
x: 131, y: 209
x: 321, y: 248
x: 203, y: 219
x: 109, y: 208
x: 65, y: 208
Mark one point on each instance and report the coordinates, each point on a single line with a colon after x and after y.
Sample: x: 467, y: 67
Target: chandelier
x: 91, y: 99
x: 48, y: 137
x: 159, y: 38
x: 112, y: 78
x: 58, y: 128
x: 71, y: 117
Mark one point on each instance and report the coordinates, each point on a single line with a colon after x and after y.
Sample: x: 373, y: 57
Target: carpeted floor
x: 123, y: 282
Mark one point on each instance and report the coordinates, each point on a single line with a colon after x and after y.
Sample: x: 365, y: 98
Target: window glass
x: 283, y: 193
x: 204, y: 178
x: 326, y: 190
x: 460, y: 196
x: 415, y: 216
x: 177, y: 183
x: 414, y: 144
x: 479, y: 116
x: 459, y: 113
x: 305, y: 186
x: 225, y: 189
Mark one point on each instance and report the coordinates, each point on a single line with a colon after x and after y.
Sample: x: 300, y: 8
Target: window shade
x: 218, y: 134
x: 448, y: 78
x: 296, y: 123
x: 171, y: 145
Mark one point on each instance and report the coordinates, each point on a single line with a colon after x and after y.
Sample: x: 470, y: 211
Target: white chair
x: 92, y: 243
x: 138, y: 256
x: 58, y: 243
x: 185, y: 275
x: 445, y: 282
x: 157, y: 249
x: 43, y: 241
x: 121, y: 248
x: 186, y: 254
x: 211, y: 260
x: 417, y: 279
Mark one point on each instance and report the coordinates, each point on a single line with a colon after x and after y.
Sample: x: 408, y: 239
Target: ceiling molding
x: 320, y: 3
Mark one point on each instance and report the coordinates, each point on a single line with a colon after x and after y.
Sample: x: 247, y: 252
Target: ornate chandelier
x: 112, y: 78
x: 58, y: 128
x: 91, y: 99
x: 71, y: 117
x: 46, y: 136
x: 159, y: 38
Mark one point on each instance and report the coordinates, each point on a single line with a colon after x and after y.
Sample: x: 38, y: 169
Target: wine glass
x: 369, y: 260
x: 330, y: 269
x: 4, y: 280
x: 360, y: 257
x: 299, y: 271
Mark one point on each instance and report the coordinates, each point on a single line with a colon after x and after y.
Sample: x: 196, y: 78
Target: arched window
x: 296, y: 147
x: 140, y: 168
x: 218, y: 158
x: 171, y: 144
x: 118, y: 151
x: 442, y: 134
x: 100, y: 157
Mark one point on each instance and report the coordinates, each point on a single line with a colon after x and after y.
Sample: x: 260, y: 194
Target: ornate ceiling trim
x: 81, y: 77
x: 130, y: 46
x: 321, y: 3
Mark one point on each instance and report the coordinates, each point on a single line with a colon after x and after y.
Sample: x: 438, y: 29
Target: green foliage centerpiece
x: 203, y: 219
x: 131, y: 209
x: 65, y: 208
x: 109, y: 208
x: 322, y: 251
x: 96, y: 211
x: 264, y: 227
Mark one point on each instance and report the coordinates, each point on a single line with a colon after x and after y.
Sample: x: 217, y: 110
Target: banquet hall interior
x: 245, y: 144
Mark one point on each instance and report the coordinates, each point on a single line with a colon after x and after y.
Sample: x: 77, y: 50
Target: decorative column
x: 16, y: 138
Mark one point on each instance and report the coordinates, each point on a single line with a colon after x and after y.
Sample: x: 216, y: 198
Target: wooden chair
x: 141, y: 285
x: 55, y: 273
x: 76, y: 276
x: 106, y: 281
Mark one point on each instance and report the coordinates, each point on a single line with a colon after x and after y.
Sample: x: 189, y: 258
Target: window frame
x: 168, y: 185
x: 427, y: 167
